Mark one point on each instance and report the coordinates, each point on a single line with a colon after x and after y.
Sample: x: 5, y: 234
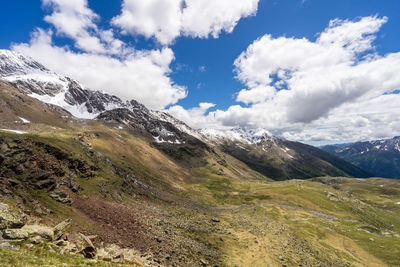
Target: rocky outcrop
x: 85, y: 246
x: 28, y: 164
x: 41, y: 231
x: 60, y: 228
x: 9, y: 218
x: 14, y: 234
x: 59, y: 241
x: 62, y: 197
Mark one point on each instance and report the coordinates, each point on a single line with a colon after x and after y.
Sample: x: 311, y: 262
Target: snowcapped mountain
x: 249, y: 136
x: 275, y: 157
x: 385, y: 145
x: 253, y: 136
x: 35, y: 80
x: 381, y: 157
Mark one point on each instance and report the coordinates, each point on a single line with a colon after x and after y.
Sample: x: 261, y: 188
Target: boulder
x: 15, y: 234
x: 69, y: 248
x: 85, y: 246
x: 36, y: 240
x: 39, y: 230
x: 116, y: 254
x: 10, y: 218
x: 62, y: 197
x: 60, y: 228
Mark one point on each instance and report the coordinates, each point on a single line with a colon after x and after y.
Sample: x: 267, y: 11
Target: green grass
x: 41, y: 255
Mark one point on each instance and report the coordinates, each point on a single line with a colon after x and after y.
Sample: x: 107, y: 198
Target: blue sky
x: 205, y: 66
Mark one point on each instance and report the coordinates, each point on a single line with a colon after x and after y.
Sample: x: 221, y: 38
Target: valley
x: 150, y: 191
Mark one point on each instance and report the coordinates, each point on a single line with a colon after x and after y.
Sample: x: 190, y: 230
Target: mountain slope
x: 119, y: 180
x: 264, y: 153
x: 380, y: 157
x: 278, y: 158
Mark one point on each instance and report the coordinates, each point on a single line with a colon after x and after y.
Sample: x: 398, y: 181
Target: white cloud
x: 158, y: 18
x: 202, y: 18
x: 75, y: 20
x: 196, y: 116
x: 102, y: 62
x: 334, y: 88
x: 165, y: 20
x: 142, y: 75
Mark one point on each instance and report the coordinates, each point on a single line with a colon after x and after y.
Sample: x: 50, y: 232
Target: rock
x: 60, y: 228
x: 104, y: 255
x: 215, y: 220
x: 116, y: 254
x: 60, y: 243
x: 85, y: 246
x: 7, y: 245
x: 332, y: 196
x: 203, y: 262
x: 42, y: 184
x: 112, y: 250
x: 36, y: 240
x: 38, y: 230
x: 69, y: 248
x: 10, y: 218
x: 62, y: 197
x: 15, y: 234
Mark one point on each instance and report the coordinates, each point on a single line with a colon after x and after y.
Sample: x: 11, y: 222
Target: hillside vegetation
x: 172, y: 205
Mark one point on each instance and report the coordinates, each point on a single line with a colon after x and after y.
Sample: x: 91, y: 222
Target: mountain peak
x: 239, y: 134
x: 13, y: 63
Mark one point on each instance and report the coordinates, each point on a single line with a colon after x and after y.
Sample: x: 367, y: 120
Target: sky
x: 316, y: 71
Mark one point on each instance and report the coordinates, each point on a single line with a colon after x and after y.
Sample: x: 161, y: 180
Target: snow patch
x: 24, y: 120
x: 79, y: 111
x: 13, y: 131
x: 159, y: 140
x: 396, y: 147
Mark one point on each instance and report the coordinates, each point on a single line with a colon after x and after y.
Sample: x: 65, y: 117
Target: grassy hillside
x: 380, y: 162
x: 306, y: 162
x: 124, y: 189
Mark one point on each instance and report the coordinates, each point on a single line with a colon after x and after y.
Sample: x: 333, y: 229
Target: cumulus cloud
x: 196, y: 116
x: 74, y: 19
x: 334, y: 88
x: 307, y: 78
x: 100, y: 60
x: 142, y: 75
x: 165, y: 20
x: 103, y: 62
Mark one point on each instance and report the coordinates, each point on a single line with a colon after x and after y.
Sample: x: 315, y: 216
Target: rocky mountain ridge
x: 380, y: 157
x: 35, y: 80
x: 272, y: 156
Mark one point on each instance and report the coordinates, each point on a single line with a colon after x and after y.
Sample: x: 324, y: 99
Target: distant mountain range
x: 271, y: 156
x: 380, y: 157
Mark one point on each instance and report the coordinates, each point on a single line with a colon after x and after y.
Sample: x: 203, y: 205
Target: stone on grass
x: 10, y: 218
x: 15, y: 234
x: 36, y: 240
x: 39, y: 230
x: 85, y: 246
x: 60, y: 228
x: 62, y: 197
